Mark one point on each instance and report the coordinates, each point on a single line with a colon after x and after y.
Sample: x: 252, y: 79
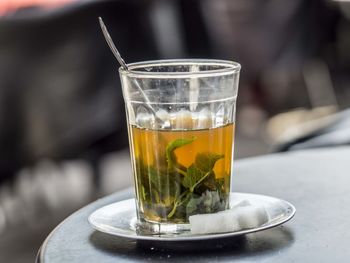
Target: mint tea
x: 179, y: 173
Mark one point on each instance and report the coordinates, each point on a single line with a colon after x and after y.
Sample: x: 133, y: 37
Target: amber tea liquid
x: 181, y: 172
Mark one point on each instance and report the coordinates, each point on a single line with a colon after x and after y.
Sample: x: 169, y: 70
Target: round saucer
x: 119, y: 219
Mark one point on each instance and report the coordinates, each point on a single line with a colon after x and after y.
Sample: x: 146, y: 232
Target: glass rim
x: 229, y: 67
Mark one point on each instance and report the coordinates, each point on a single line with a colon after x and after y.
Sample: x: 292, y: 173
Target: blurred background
x: 63, y: 137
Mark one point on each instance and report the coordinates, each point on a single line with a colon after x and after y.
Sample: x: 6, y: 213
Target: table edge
x: 40, y: 255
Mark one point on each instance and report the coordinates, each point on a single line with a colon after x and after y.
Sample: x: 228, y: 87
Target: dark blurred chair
x: 60, y: 95
x: 273, y: 40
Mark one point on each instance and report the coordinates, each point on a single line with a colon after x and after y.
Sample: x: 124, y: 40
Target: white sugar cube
x: 242, y: 216
x: 251, y: 216
x: 213, y: 223
x: 240, y: 203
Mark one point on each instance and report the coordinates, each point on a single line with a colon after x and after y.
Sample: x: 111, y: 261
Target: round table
x: 317, y: 182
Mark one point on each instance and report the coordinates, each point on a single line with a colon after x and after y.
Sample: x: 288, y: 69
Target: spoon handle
x: 111, y: 44
x: 125, y: 66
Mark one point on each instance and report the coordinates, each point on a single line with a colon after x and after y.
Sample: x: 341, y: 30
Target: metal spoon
x: 111, y: 45
x: 125, y: 66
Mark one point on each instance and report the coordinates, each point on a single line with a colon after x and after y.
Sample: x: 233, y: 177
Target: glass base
x: 144, y: 227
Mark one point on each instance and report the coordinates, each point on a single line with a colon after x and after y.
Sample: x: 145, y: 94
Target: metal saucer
x: 119, y: 219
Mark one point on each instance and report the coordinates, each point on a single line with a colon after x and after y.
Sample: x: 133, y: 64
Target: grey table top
x: 317, y: 182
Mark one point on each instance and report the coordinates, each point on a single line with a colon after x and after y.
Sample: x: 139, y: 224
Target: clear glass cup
x: 181, y: 120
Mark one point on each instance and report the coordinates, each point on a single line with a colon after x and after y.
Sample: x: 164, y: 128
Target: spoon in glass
x: 111, y: 45
x: 125, y: 67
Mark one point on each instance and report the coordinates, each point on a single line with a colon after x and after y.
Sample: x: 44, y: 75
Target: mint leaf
x: 170, y: 190
x: 193, y: 176
x: 209, y: 183
x: 208, y: 202
x: 206, y: 161
x: 143, y: 193
x: 172, y: 146
x: 154, y: 178
x: 202, y: 171
x: 171, y: 157
x: 192, y: 206
x: 220, y: 184
x: 179, y: 201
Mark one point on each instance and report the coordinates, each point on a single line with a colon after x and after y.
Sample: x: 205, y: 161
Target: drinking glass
x: 181, y: 121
